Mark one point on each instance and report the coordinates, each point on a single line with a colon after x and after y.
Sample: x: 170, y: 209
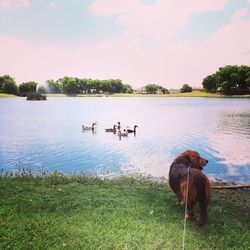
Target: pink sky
x: 165, y: 60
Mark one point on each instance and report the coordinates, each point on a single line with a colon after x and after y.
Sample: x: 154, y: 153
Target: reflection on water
x: 48, y: 135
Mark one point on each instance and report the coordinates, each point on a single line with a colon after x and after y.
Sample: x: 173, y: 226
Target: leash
x: 185, y: 220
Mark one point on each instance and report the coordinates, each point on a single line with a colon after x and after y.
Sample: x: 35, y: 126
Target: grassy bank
x: 88, y: 213
x: 3, y: 95
x: 190, y: 94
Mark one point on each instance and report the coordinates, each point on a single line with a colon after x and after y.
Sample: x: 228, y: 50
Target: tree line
x: 65, y: 85
x: 229, y: 80
x: 74, y: 85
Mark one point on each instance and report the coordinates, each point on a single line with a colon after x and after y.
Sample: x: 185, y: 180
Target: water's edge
x: 215, y: 182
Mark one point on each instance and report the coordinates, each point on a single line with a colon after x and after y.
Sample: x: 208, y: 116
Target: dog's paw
x: 180, y: 202
x: 188, y: 216
x: 200, y: 222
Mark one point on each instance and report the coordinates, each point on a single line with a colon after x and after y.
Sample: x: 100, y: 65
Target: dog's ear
x: 193, y: 157
x: 187, y: 157
x: 185, y: 154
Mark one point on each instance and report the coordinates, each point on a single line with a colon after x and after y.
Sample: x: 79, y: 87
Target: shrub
x: 35, y: 97
x: 186, y: 88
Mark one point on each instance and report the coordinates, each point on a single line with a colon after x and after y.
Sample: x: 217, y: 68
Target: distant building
x: 198, y: 89
x: 92, y: 91
x: 174, y: 91
x: 141, y: 90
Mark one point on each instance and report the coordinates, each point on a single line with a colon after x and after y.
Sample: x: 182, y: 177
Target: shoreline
x: 3, y: 95
x: 215, y: 182
x: 190, y: 94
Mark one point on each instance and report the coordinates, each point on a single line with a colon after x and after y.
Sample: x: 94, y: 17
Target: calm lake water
x: 48, y: 135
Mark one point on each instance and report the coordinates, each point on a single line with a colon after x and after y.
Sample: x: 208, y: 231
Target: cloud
x: 181, y: 61
x: 113, y: 7
x: 238, y: 15
x: 160, y: 20
x: 53, y: 5
x: 232, y: 40
x: 230, y: 147
x: 14, y: 3
x: 5, y: 3
x: 22, y: 3
x: 126, y: 57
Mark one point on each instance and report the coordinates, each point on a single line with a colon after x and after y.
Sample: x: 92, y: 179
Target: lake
x: 48, y: 135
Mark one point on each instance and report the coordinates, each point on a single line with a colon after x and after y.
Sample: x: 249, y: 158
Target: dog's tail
x: 203, y: 196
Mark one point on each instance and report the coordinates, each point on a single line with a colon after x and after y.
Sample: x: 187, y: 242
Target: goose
x: 89, y: 127
x: 111, y: 129
x: 132, y: 131
x: 122, y: 133
x: 119, y: 125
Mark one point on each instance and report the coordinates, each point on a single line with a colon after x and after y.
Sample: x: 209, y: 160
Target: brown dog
x: 199, y: 187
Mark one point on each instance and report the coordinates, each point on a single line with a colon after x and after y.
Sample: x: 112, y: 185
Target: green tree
x: 233, y: 79
x: 165, y: 91
x: 210, y: 83
x: 116, y: 85
x: 27, y: 87
x: 83, y: 85
x: 54, y: 87
x: 248, y: 82
x: 73, y: 85
x: 90, y: 85
x: 127, y: 89
x: 243, y: 78
x: 229, y: 80
x: 106, y: 86
x: 70, y: 85
x: 152, y: 88
x: 8, y: 85
x: 2, y: 81
x: 228, y: 88
x: 186, y: 88
x: 96, y: 86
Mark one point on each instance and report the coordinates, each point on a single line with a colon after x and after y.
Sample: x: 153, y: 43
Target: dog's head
x: 195, y: 159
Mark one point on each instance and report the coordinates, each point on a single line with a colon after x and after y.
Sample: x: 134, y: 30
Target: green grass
x: 4, y: 95
x: 88, y: 213
x: 190, y: 94
x: 205, y: 94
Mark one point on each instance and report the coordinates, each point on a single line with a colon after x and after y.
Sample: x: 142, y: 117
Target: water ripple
x: 52, y: 138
